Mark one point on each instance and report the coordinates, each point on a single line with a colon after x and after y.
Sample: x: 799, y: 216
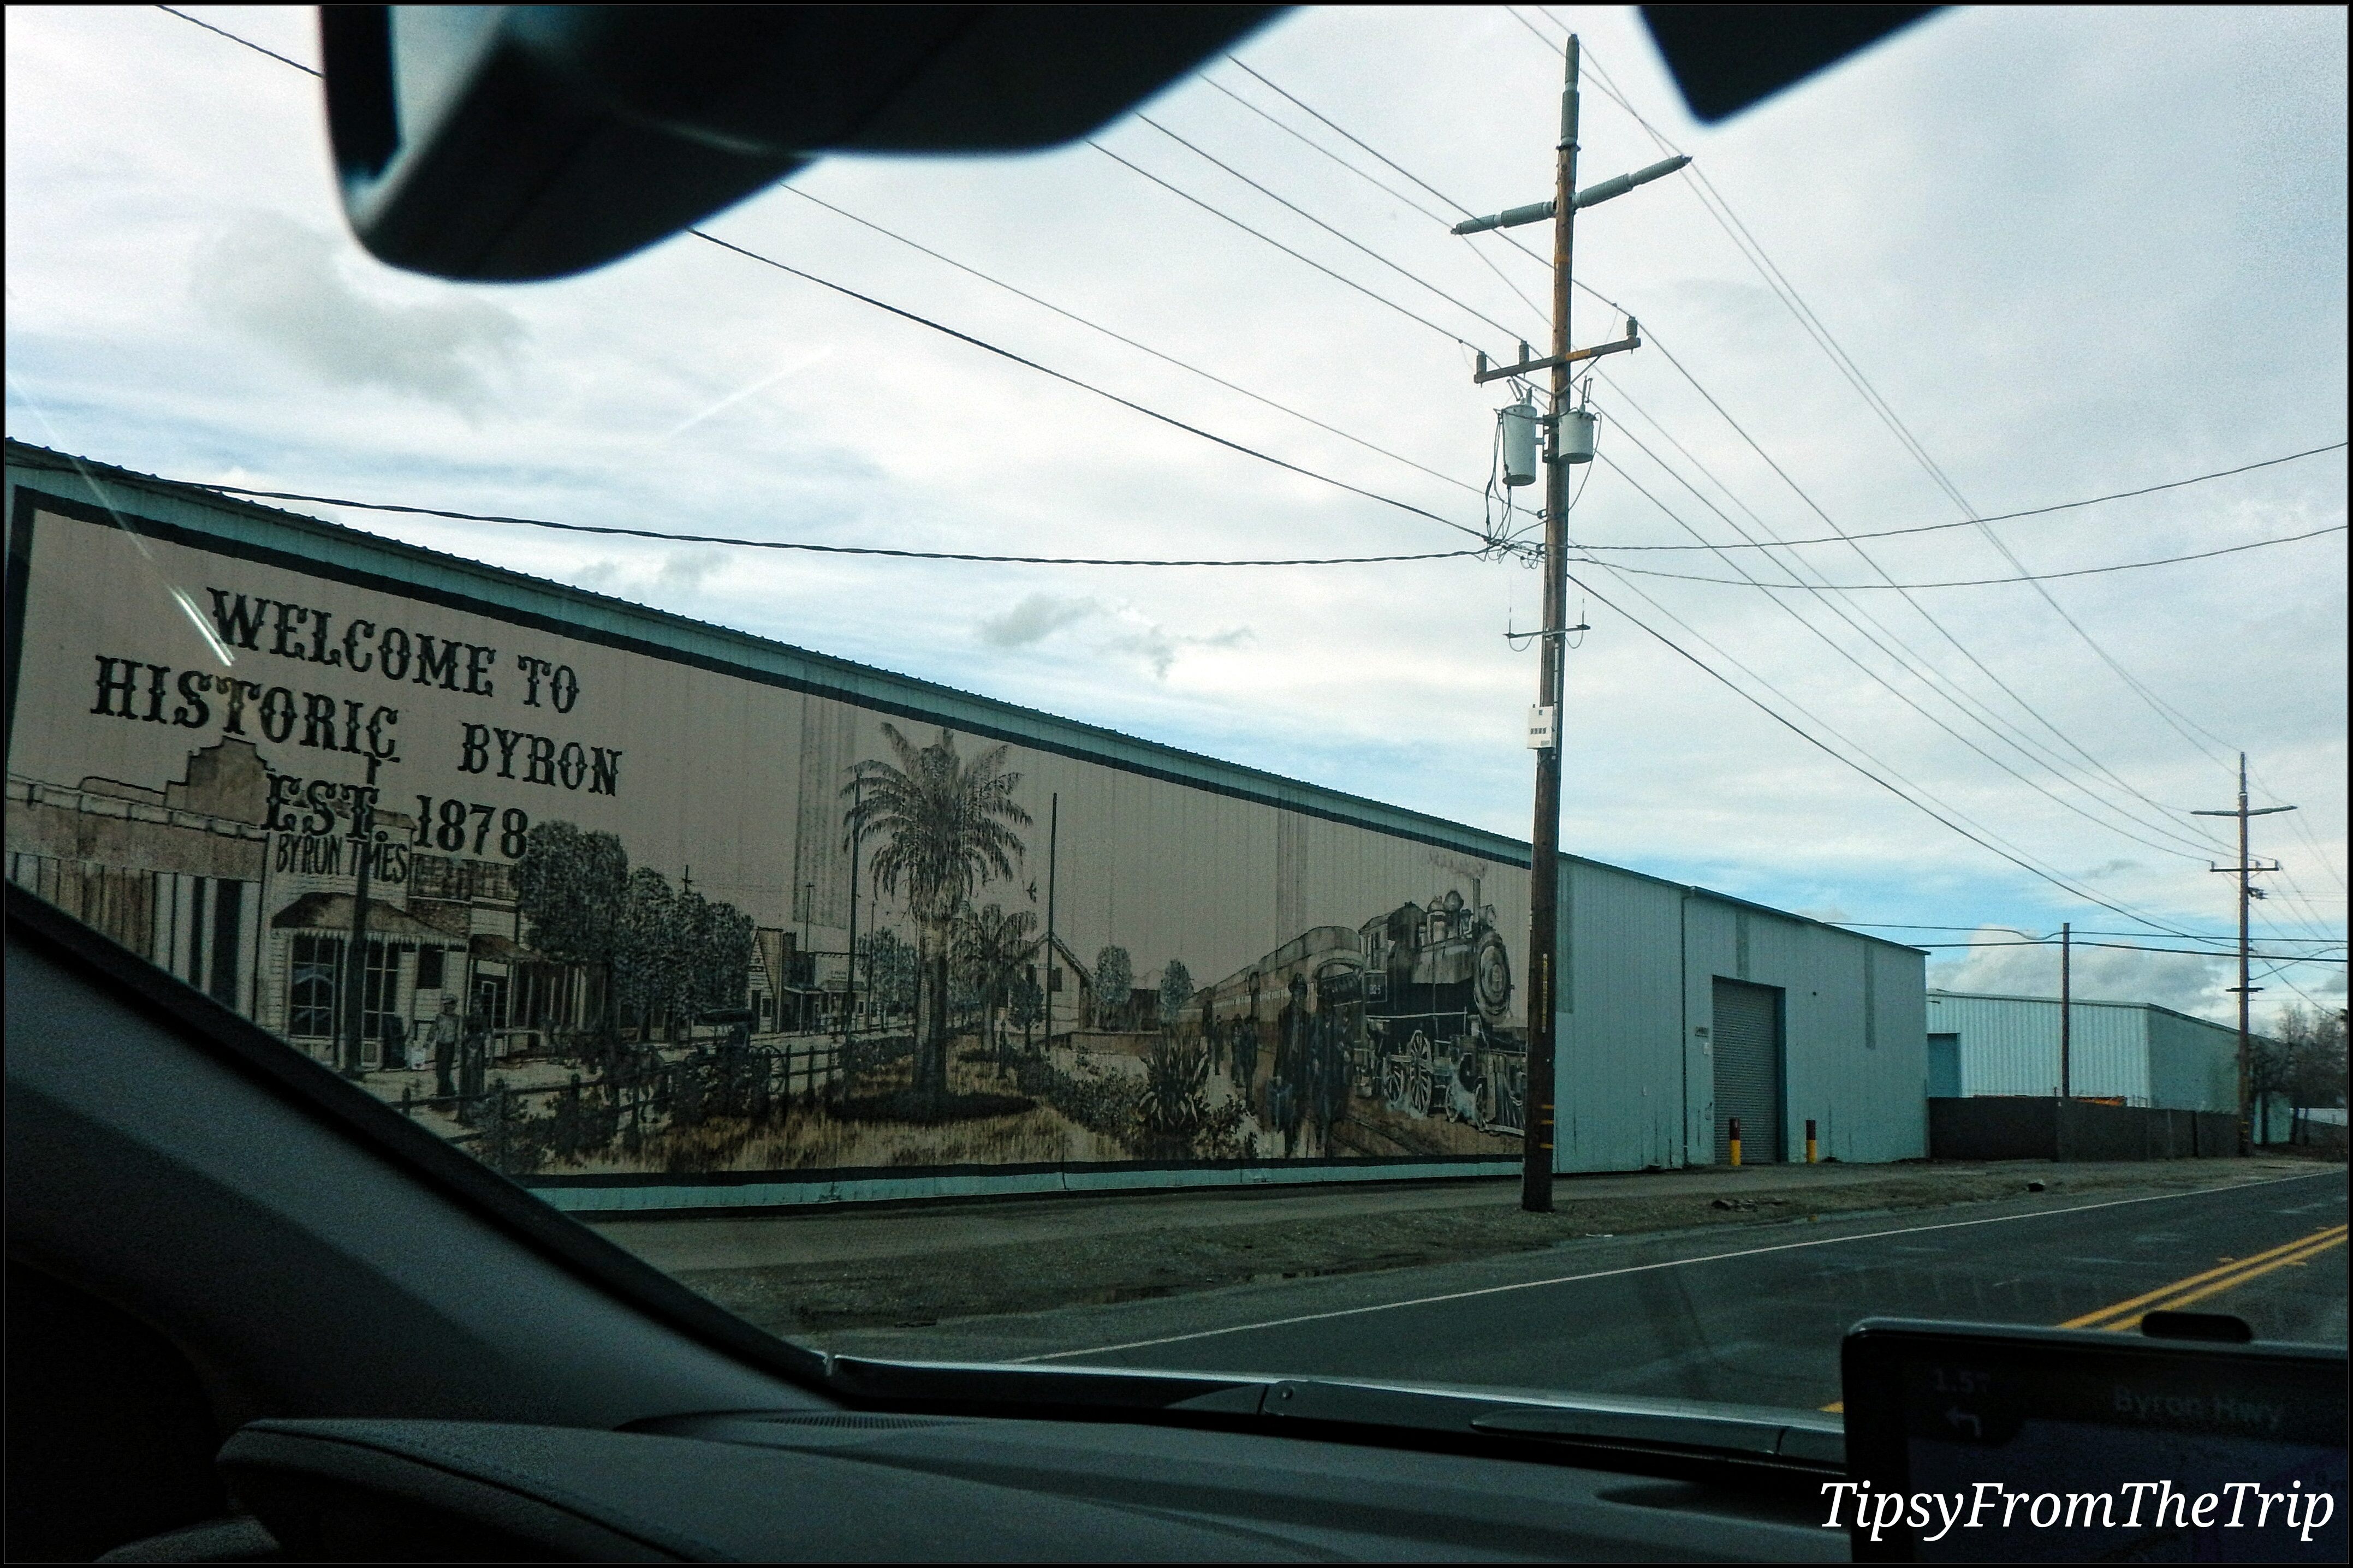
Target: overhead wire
x: 1345, y: 239
x: 1131, y: 342
x: 2084, y: 894
x: 1704, y: 191
x: 1964, y: 702
x: 1983, y: 581
x: 748, y: 543
x: 1425, y: 186
x: 1219, y: 213
x: 1238, y: 448
x: 1868, y: 671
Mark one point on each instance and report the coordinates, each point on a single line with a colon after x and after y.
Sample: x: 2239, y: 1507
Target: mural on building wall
x: 584, y: 908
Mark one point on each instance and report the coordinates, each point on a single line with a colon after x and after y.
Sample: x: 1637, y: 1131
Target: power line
x: 817, y: 549
x: 1999, y: 517
x: 232, y: 38
x: 1967, y: 703
x: 1704, y: 191
x: 1795, y: 729
x: 1881, y: 680
x: 1974, y: 581
x: 1170, y: 420
x: 1310, y: 141
x: 1345, y: 240
x: 1424, y: 185
x: 2029, y: 709
x: 1131, y: 342
x: 2133, y: 947
x: 1337, y: 276
x: 2232, y: 942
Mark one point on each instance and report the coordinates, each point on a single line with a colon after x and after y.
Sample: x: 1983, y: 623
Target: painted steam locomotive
x: 1408, y: 1011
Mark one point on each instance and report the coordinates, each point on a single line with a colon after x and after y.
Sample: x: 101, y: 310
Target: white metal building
x: 2135, y: 1051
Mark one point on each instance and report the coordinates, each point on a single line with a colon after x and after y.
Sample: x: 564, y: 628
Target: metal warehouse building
x: 2138, y: 1052
x: 1345, y: 979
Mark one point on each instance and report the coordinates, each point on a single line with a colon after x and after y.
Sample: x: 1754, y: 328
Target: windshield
x: 942, y: 757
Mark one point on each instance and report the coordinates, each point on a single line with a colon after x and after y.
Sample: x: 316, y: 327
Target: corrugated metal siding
x: 2010, y: 1045
x: 2192, y: 1065
x: 1855, y: 1048
x: 1621, y: 1080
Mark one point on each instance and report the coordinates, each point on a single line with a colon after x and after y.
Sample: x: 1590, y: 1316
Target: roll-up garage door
x: 1747, y: 1071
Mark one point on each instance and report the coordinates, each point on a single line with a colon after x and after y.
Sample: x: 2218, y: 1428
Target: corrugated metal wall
x: 2192, y: 1065
x: 1637, y: 1066
x: 1620, y: 1106
x: 2010, y: 1045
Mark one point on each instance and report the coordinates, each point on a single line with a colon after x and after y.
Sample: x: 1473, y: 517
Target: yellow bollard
x: 1735, y: 1139
x: 1809, y: 1141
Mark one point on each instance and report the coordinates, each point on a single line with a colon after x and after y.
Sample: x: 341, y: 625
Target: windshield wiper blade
x: 1672, y: 1427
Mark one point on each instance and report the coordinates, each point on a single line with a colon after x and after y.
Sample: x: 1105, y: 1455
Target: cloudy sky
x: 2072, y: 252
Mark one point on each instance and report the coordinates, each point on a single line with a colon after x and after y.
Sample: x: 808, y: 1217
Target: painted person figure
x: 1241, y: 1043
x: 473, y: 1066
x: 1287, y: 1095
x: 448, y: 1029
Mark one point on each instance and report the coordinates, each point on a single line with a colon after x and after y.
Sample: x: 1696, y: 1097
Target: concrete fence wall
x: 2026, y: 1128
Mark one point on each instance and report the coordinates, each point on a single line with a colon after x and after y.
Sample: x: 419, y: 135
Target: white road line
x: 1647, y: 1268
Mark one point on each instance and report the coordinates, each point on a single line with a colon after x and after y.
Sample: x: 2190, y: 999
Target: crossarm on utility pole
x: 1632, y: 340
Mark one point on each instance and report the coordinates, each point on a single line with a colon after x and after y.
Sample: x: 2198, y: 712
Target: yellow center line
x: 2294, y: 1259
x: 2228, y: 1273
x: 2232, y: 1273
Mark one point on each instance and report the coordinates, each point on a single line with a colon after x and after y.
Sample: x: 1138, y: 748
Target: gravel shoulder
x: 915, y: 1265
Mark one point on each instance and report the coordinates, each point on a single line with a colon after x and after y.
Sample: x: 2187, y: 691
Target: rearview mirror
x: 512, y: 144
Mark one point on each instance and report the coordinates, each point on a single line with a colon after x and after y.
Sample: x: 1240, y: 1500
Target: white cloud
x: 1035, y: 619
x: 278, y: 282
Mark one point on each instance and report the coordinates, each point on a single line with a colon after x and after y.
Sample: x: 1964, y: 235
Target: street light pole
x: 2246, y: 871
x: 1545, y: 731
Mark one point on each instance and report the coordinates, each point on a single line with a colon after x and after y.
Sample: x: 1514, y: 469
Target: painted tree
x: 643, y: 952
x: 1114, y: 979
x: 944, y: 828
x: 722, y: 957
x: 887, y: 969
x: 572, y: 889
x: 1175, y: 990
x: 991, y: 948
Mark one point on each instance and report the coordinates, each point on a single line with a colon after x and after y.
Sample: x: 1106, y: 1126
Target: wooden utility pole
x: 1544, y: 732
x: 1544, y: 889
x: 2246, y: 871
x: 2066, y: 1009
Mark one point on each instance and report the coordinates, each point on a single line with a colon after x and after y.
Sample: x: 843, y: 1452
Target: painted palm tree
x: 944, y: 827
x: 992, y: 946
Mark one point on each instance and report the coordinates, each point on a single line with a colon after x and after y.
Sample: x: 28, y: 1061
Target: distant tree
x: 1175, y: 990
x: 946, y: 828
x: 571, y: 890
x: 2312, y: 1041
x: 1114, y: 978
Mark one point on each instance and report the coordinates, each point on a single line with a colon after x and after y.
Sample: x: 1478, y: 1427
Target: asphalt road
x: 1748, y: 1314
